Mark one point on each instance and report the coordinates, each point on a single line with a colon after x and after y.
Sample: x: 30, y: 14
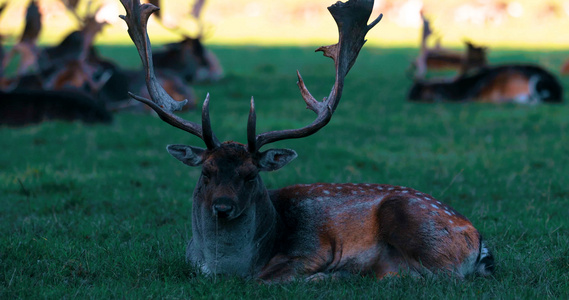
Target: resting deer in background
x: 439, y: 58
x: 476, y: 80
x: 188, y: 58
x: 518, y: 83
x: 308, y: 230
x: 43, y: 90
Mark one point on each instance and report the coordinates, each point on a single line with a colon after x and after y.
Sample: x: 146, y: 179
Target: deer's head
x: 230, y: 179
x: 476, y: 55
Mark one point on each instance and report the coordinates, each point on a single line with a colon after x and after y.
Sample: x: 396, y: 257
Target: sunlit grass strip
x: 322, y: 31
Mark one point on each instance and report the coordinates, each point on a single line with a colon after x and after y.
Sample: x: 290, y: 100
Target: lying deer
x: 524, y: 84
x: 308, y: 230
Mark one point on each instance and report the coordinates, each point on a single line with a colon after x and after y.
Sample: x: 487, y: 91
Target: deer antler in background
x: 27, y: 47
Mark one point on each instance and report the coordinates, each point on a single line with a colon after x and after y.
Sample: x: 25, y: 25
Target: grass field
x: 104, y: 212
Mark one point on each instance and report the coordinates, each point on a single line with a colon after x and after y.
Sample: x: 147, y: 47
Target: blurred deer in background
x: 74, y: 66
x: 2, y: 7
x: 85, y: 68
x: 565, y: 68
x: 189, y: 58
x: 518, y: 83
x: 75, y: 63
x: 311, y: 231
x: 26, y: 48
x: 52, y: 83
x: 439, y: 58
x: 476, y: 80
x: 68, y: 64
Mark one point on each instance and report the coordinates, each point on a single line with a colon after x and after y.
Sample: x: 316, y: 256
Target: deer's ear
x: 189, y: 155
x: 274, y: 159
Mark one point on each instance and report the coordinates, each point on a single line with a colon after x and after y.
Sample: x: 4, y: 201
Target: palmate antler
x: 351, y: 18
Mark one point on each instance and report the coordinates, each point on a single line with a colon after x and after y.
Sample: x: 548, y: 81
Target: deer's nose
x: 222, y: 207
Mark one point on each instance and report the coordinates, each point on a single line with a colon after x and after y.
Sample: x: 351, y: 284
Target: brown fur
x: 565, y: 68
x: 505, y: 87
x: 368, y: 229
x: 73, y: 75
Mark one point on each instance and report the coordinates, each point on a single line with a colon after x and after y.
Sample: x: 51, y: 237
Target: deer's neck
x: 241, y: 246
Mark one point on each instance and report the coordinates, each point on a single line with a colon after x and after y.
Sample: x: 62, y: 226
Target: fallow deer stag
x: 309, y: 231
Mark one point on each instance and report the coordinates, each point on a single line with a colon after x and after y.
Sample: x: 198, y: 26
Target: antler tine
x: 351, y: 18
x: 137, y: 18
x: 208, y: 137
x: 33, y: 25
x: 251, y: 128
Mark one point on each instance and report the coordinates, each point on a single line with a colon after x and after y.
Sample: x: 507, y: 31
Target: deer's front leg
x: 283, y: 268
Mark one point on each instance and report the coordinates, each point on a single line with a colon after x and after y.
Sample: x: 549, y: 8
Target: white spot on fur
x: 450, y: 221
x: 460, y: 228
x: 326, y: 192
x: 414, y: 200
x: 404, y: 192
x: 446, y: 212
x: 390, y: 189
x: 434, y: 206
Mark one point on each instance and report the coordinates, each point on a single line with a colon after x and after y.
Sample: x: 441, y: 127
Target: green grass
x: 104, y: 212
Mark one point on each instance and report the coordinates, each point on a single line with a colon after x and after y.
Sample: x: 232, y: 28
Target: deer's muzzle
x: 223, y: 207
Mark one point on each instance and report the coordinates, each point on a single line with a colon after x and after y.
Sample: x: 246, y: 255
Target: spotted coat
x: 371, y: 229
